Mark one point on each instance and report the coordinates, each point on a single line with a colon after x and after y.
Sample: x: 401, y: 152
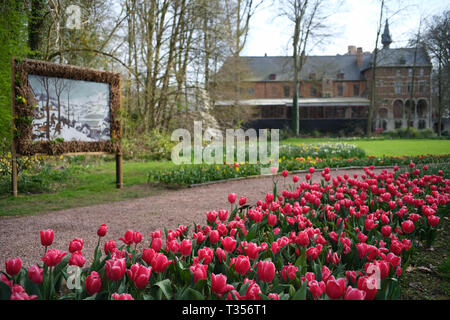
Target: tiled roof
x: 260, y: 68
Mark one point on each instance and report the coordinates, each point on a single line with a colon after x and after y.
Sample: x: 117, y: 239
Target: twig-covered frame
x: 25, y: 102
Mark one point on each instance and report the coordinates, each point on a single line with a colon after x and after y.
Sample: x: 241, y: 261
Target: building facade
x: 335, y: 90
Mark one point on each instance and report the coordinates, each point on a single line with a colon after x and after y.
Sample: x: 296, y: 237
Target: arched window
x: 398, y: 109
x: 421, y: 108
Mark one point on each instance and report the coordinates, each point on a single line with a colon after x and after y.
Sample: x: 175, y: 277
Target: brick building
x: 335, y: 90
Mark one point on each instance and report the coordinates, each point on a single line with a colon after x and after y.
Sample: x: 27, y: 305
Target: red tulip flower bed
x: 343, y: 238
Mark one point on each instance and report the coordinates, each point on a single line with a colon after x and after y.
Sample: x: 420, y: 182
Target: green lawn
x: 92, y: 186
x: 394, y: 147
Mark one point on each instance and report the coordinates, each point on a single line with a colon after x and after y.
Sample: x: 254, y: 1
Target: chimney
x: 351, y: 50
x: 359, y: 58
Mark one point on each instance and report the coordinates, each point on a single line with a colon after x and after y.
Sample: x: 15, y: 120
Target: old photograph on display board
x: 73, y: 110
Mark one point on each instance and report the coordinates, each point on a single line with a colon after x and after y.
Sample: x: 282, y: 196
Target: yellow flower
x: 237, y: 169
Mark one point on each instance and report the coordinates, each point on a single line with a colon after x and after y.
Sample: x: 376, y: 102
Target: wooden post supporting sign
x: 13, y: 146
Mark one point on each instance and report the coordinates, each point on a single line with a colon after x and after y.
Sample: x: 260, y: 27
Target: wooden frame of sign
x: 61, y: 109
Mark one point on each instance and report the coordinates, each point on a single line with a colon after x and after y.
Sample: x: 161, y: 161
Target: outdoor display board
x: 59, y: 109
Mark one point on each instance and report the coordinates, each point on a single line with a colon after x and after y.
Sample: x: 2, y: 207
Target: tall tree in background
x: 307, y: 18
x: 436, y: 39
x: 372, y: 105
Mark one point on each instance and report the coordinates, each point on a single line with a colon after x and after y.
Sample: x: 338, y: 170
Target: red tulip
x: 253, y: 290
x: 185, y: 247
x: 285, y: 173
x: 214, y: 236
x: 312, y: 170
x: 252, y: 250
x: 76, y: 245
x: 433, y: 220
x: 354, y: 294
x: 241, y: 264
x: 160, y: 263
x: 271, y: 220
x: 295, y: 179
x: 13, y: 266
x: 147, y: 255
x: 156, y: 244
x: 53, y: 257
x: 219, y: 284
x: 269, y: 198
x: 115, y: 269
x: 18, y: 293
x: 93, y: 283
x: 369, y: 285
x: 407, y: 226
x: 266, y: 271
x: 35, y: 274
x: 128, y: 238
x: 77, y: 259
x: 137, y: 237
x: 173, y: 246
x: 386, y: 231
x: 229, y: 244
x: 273, y: 296
x: 47, y: 237
x: 109, y: 246
x: 232, y: 197
x: 289, y: 271
x: 199, y: 271
x: 335, y: 289
x: 206, y: 254
x: 101, y: 232
x: 211, y: 216
x: 221, y: 255
x: 316, y: 288
x: 242, y: 200
x: 123, y: 296
x: 139, y: 275
x: 223, y: 215
x: 302, y: 239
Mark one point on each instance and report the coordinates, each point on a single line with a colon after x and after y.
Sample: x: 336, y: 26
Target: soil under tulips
x: 19, y: 236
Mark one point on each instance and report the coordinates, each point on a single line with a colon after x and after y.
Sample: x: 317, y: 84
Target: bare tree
x: 436, y: 40
x: 308, y: 20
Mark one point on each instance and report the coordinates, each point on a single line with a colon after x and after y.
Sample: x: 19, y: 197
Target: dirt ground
x: 19, y: 236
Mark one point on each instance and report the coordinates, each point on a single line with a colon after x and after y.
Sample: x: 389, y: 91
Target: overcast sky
x: 354, y: 23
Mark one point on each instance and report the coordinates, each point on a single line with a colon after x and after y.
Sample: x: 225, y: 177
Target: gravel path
x: 19, y: 236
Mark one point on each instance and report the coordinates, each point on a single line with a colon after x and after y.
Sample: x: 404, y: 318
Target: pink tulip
x: 13, y: 266
x: 266, y: 271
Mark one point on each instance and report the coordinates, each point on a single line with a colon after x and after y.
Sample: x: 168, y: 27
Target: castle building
x: 335, y: 90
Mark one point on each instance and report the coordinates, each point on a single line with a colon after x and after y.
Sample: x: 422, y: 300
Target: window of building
x: 421, y: 86
x: 409, y: 87
x: 398, y: 124
x: 272, y: 76
x: 287, y: 91
x: 421, y: 124
x: 399, y: 72
x: 274, y: 91
x: 356, y: 90
x: 410, y: 72
x: 272, y: 112
x: 340, y: 88
x: 398, y: 87
x: 251, y: 91
x: 313, y: 91
x: 422, y: 72
x: 379, y: 83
